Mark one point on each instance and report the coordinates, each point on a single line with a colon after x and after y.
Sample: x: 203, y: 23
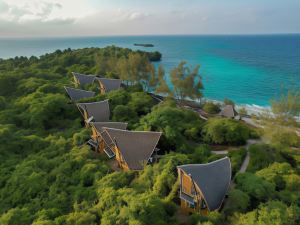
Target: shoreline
x: 252, y: 109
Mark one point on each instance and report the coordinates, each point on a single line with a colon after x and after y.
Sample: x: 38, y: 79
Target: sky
x: 45, y: 18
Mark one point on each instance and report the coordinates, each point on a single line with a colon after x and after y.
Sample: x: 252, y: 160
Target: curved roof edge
x: 213, y: 180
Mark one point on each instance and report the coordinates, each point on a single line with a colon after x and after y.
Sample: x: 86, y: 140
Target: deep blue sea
x: 246, y: 69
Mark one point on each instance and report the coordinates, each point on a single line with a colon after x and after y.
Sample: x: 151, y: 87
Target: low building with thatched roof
x: 107, y: 85
x: 203, y: 187
x: 82, y: 79
x: 94, y: 111
x: 132, y: 149
x: 98, y: 131
x: 229, y: 112
x: 77, y: 94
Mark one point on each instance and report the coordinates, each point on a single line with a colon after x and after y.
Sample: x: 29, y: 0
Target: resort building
x: 203, y: 187
x: 94, y: 111
x: 229, y: 112
x: 82, y: 79
x: 97, y: 140
x: 77, y: 94
x: 107, y: 85
x: 132, y: 149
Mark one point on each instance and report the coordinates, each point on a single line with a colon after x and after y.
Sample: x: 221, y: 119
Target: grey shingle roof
x: 117, y: 125
x: 228, y: 111
x: 77, y: 94
x: 98, y: 110
x: 84, y: 79
x: 136, y: 147
x: 213, y: 180
x: 110, y: 84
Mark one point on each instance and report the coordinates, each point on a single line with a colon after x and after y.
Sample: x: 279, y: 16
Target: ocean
x: 250, y: 70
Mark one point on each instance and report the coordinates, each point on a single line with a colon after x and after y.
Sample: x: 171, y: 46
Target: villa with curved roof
x: 203, y: 187
x: 82, y: 79
x: 77, y: 94
x: 98, y: 131
x: 94, y: 111
x: 229, y: 112
x: 132, y: 149
x: 107, y: 85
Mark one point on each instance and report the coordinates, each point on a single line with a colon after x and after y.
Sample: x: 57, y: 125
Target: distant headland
x: 144, y: 45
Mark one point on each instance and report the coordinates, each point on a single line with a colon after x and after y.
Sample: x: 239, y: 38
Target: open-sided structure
x: 132, y: 149
x: 229, y: 112
x: 82, y: 79
x: 203, y: 187
x: 98, y: 131
x: 94, y: 111
x: 107, y: 85
x: 77, y: 94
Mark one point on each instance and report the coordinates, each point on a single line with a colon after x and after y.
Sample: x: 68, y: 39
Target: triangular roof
x: 110, y: 84
x: 77, y: 94
x: 213, y: 180
x: 117, y: 125
x: 84, y: 79
x: 98, y: 110
x: 229, y: 111
x: 136, y: 147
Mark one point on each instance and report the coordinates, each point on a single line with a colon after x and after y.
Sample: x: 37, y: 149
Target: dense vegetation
x: 48, y: 176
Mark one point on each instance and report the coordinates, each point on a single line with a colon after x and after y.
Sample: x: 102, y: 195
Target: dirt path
x: 246, y: 161
x: 222, y: 152
x: 247, y: 158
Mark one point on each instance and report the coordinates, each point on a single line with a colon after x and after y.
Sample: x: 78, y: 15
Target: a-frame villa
x: 77, y: 94
x: 229, y: 112
x: 82, y: 79
x: 107, y: 85
x: 203, y: 187
x: 98, y: 131
x: 132, y: 149
x: 94, y: 111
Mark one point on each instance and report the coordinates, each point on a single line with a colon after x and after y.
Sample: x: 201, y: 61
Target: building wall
x: 188, y: 187
x: 102, y: 88
x: 123, y: 165
x: 76, y: 82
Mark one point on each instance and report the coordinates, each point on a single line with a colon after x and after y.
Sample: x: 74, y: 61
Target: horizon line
x: 149, y: 35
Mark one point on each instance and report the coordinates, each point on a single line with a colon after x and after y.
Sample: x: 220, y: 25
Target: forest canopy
x: 49, y: 176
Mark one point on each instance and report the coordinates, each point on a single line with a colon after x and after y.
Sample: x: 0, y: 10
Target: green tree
x: 186, y: 82
x: 273, y: 212
x: 225, y: 131
x: 238, y: 201
x: 287, y: 106
x: 162, y: 86
x: 257, y: 188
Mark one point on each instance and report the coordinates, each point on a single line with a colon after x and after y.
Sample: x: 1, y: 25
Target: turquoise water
x: 246, y: 69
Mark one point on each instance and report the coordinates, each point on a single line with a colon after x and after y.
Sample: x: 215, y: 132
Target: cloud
x: 138, y: 15
x: 31, y: 11
x: 122, y: 17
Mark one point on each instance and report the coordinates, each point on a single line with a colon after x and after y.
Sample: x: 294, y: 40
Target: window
x: 186, y: 184
x: 203, y: 205
x: 192, y: 206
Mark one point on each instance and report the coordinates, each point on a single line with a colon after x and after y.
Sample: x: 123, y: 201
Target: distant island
x: 144, y: 45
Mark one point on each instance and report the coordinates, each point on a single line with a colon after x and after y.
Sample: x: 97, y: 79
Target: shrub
x: 238, y: 201
x: 256, y: 187
x: 228, y: 102
x: 211, y: 108
x: 237, y: 157
x: 176, y: 124
x: 262, y: 155
x: 225, y: 131
x: 123, y: 113
x: 2, y: 103
x: 273, y: 212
